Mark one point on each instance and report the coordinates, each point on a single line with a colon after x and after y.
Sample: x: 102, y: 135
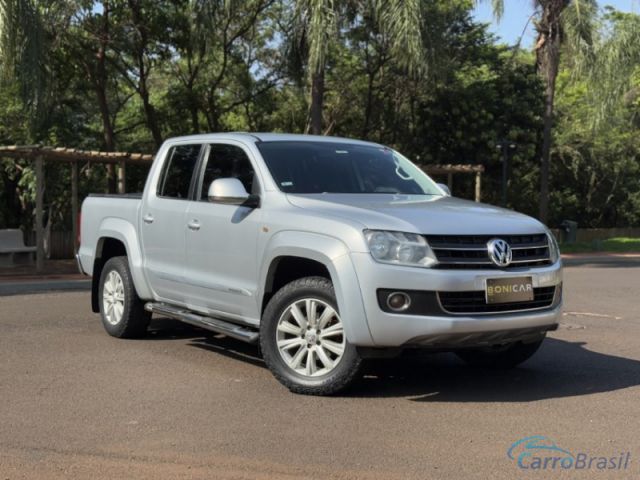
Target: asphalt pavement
x: 38, y: 286
x: 183, y: 403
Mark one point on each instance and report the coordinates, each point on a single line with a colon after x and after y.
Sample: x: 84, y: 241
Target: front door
x: 221, y: 239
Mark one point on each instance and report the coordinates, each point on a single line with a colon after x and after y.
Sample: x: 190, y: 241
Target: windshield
x: 324, y: 167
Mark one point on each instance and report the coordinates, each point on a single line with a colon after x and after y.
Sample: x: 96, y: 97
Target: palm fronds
x: 401, y: 21
x: 317, y: 22
x: 617, y: 58
x: 22, y: 48
x: 581, y: 24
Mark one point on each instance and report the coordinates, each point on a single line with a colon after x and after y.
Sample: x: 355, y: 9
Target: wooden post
x: 74, y: 204
x: 121, y: 177
x: 478, y: 181
x: 450, y: 182
x: 39, y: 214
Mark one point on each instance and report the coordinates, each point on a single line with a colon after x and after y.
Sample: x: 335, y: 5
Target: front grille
x: 470, y: 251
x: 474, y: 302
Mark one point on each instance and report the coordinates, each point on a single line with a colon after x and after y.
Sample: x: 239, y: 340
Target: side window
x: 227, y: 161
x: 178, y: 170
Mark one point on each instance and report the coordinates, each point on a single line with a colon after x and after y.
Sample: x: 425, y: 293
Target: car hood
x: 426, y: 214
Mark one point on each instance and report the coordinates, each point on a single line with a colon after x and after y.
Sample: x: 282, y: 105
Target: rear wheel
x: 500, y: 356
x: 303, y: 339
x: 122, y: 312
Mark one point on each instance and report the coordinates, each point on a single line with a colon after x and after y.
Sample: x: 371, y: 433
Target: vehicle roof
x: 269, y: 137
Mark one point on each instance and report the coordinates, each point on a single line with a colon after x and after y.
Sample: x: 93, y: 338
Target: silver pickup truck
x: 325, y: 251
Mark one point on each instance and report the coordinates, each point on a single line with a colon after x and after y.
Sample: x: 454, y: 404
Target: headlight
x: 400, y: 248
x: 554, y: 249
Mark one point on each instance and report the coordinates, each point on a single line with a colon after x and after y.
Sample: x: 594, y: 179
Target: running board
x: 229, y: 329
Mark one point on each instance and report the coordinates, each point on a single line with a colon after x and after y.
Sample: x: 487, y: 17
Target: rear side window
x: 178, y: 171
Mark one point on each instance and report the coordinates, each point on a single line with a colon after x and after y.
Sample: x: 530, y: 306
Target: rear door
x: 222, y: 240
x: 163, y: 222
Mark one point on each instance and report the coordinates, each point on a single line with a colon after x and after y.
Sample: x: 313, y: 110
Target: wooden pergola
x: 450, y: 169
x: 41, y: 154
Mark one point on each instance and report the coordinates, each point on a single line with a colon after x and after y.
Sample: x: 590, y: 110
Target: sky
x: 517, y: 12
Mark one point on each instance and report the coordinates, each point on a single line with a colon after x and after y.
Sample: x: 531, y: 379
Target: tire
x: 500, y: 357
x: 334, y: 363
x: 121, y: 310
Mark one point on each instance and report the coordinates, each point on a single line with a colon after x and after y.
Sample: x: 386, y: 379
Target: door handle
x: 148, y: 218
x: 193, y: 225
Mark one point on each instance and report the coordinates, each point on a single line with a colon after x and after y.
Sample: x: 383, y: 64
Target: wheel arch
x: 287, y: 268
x: 296, y: 255
x: 117, y: 237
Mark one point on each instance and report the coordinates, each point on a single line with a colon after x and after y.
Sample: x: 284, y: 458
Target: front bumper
x: 396, y: 330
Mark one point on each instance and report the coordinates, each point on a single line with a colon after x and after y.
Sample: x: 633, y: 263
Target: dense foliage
x: 124, y: 75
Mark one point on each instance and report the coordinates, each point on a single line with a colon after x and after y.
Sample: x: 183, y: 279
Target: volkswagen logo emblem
x: 499, y: 252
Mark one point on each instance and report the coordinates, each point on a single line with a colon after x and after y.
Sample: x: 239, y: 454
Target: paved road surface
x: 75, y: 403
x: 37, y: 286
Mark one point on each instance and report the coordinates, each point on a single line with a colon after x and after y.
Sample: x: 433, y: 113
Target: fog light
x: 398, y: 301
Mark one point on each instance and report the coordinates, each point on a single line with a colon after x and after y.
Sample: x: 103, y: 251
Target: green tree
x: 319, y: 25
x: 597, y: 153
x: 613, y: 72
x: 558, y: 23
x: 217, y: 65
x: 608, y: 60
x: 595, y: 172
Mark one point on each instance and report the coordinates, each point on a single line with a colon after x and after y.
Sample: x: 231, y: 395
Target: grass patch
x: 612, y: 245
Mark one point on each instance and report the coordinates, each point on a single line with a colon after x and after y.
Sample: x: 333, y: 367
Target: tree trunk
x: 369, y: 105
x: 189, y: 82
x: 105, y: 112
x: 547, y: 62
x: 141, y: 46
x: 107, y: 126
x: 546, y: 154
x: 100, y: 88
x: 317, y: 100
x: 150, y: 114
x: 193, y: 110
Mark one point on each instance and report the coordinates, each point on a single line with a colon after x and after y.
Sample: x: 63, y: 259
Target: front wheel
x: 303, y: 339
x: 501, y: 356
x: 122, y: 312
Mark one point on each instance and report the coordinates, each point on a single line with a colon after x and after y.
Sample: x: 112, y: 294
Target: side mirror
x: 445, y: 188
x: 230, y: 191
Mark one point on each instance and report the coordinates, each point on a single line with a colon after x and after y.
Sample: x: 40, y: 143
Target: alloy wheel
x: 113, y: 298
x: 310, y: 337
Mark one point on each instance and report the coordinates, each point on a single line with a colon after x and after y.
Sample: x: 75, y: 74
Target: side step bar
x: 229, y: 329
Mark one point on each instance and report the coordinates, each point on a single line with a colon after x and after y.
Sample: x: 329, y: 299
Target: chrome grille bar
x: 470, y: 251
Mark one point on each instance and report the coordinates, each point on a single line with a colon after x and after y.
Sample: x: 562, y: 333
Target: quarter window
x: 179, y: 167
